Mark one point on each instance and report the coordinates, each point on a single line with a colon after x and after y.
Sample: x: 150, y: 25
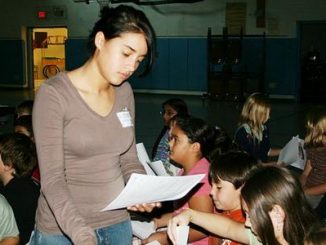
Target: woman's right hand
x: 183, y: 218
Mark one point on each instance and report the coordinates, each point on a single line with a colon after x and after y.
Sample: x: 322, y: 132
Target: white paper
x: 143, y: 158
x: 154, y: 243
x: 182, y: 234
x: 293, y: 153
x: 149, y: 189
x: 141, y: 229
x: 158, y: 168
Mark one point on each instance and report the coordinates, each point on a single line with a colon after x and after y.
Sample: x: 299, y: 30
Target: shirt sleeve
x: 8, y: 226
x: 129, y: 160
x: 48, y: 121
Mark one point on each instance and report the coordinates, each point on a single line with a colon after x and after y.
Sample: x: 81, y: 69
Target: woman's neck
x: 189, y: 165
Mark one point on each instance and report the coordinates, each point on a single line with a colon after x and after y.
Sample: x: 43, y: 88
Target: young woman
x: 84, y: 132
x: 253, y: 135
x: 275, y: 207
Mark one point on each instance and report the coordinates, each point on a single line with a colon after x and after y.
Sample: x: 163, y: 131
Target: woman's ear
x: 196, y: 147
x: 99, y: 40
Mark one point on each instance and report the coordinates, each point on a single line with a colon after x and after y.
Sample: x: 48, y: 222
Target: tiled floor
x: 287, y: 117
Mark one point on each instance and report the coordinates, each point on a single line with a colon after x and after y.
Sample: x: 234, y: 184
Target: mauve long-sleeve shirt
x: 84, y: 158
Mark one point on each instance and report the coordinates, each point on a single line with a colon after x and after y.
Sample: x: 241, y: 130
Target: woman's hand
x: 145, y: 207
x: 183, y: 218
x: 159, y: 236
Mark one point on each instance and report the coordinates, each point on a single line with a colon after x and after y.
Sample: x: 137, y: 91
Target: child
x: 18, y: 158
x: 24, y: 108
x: 253, y: 135
x: 313, y: 178
x: 191, y: 139
x: 275, y: 207
x: 23, y: 125
x: 9, y: 233
x: 227, y: 175
x: 171, y: 107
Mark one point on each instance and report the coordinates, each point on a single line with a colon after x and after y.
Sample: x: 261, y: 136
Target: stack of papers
x: 150, y: 189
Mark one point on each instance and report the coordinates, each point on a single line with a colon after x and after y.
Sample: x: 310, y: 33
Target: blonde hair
x: 254, y: 112
x: 316, y: 129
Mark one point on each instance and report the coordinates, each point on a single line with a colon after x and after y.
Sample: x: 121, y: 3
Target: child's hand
x: 183, y: 218
x: 145, y: 207
x: 160, y: 236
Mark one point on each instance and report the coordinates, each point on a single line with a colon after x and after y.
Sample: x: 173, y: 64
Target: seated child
x: 18, y: 159
x: 171, y: 107
x: 9, y: 233
x: 253, y: 134
x: 23, y: 125
x: 228, y: 174
x: 313, y: 177
x: 191, y: 140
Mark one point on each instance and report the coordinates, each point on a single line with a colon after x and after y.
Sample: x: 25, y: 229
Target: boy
x: 227, y: 176
x: 8, y: 227
x: 17, y: 160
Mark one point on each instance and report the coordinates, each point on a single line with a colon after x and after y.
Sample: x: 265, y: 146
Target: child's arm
x: 316, y: 190
x: 274, y: 152
x: 215, y: 223
x: 305, y: 173
x: 201, y: 203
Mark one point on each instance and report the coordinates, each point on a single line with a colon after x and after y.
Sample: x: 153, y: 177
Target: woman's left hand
x: 145, y: 207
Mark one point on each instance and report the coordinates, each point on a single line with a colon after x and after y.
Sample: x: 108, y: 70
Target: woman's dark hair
x: 18, y: 151
x: 197, y: 130
x: 232, y: 166
x: 124, y: 19
x: 178, y: 105
x: 271, y: 185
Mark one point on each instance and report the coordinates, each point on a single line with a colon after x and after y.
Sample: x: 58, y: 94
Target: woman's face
x: 119, y: 57
x: 225, y: 196
x: 248, y: 222
x: 168, y: 113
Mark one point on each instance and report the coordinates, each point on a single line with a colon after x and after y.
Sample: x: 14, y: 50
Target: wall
x: 181, y: 31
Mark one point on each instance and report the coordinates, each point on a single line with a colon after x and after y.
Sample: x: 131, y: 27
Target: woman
x: 84, y: 131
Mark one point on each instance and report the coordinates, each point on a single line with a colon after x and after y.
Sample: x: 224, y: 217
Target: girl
x: 191, y: 141
x: 275, y: 207
x: 253, y: 135
x: 171, y: 107
x: 313, y: 178
x: 84, y: 132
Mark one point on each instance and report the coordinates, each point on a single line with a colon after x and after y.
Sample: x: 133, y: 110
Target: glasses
x: 168, y: 113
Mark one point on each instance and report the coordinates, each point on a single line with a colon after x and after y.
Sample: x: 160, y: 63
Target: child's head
x: 190, y: 135
x: 316, y: 129
x: 23, y: 125
x: 172, y: 107
x: 24, y: 108
x: 316, y: 235
x: 255, y: 111
x: 228, y: 173
x: 18, y: 155
x: 275, y: 205
x: 123, y: 19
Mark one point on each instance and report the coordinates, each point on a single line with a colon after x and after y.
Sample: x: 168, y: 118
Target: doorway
x: 312, y: 61
x: 48, y: 45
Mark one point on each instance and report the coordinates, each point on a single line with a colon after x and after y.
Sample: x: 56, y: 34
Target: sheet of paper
x: 148, y: 189
x: 293, y: 153
x: 143, y: 158
x: 158, y: 168
x: 182, y: 234
x: 141, y: 229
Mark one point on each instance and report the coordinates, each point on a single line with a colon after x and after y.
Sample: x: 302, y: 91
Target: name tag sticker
x: 125, y: 118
